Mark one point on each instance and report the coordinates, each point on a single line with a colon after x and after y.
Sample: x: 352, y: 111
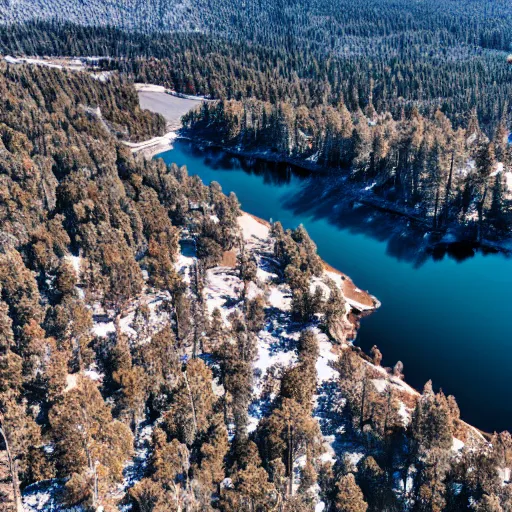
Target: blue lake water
x: 446, y: 319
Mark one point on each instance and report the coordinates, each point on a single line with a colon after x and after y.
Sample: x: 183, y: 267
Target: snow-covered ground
x: 154, y: 145
x: 172, y: 107
x: 62, y: 63
x: 141, y: 87
x: 276, y: 350
x: 40, y: 62
x: 277, y: 345
x: 162, y: 101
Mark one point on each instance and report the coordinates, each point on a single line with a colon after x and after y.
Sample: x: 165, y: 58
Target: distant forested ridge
x: 327, y: 23
x: 446, y: 54
x: 405, y: 94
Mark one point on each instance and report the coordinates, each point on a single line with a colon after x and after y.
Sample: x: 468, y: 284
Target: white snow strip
x: 508, y: 178
x: 251, y: 228
x: 93, y: 375
x: 323, y: 367
x: 71, y: 381
x: 457, y: 445
x: 157, y: 144
x: 402, y: 411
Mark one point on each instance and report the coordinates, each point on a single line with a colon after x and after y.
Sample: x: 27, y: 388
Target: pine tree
x: 159, y: 358
x: 432, y: 466
x: 247, y: 269
x: 349, y: 497
x: 335, y: 310
x: 372, y: 481
x: 307, y: 347
x: 251, y: 491
x: 489, y: 504
x: 211, y: 467
x: 496, y: 214
x: 255, y: 314
x: 376, y: 355
x: 287, y: 433
x: 191, y: 409
x: 431, y: 424
x: 170, y: 463
x: 485, y: 163
x: 18, y: 430
x: 88, y: 441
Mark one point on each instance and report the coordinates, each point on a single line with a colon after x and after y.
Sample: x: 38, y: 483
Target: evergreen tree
x: 349, y: 497
x: 91, y: 446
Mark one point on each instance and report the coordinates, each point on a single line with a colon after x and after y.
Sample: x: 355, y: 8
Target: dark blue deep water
x: 447, y: 318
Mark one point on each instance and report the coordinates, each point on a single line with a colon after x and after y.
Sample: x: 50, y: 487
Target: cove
x: 446, y: 316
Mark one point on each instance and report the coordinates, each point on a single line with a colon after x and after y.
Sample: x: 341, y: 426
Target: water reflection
x: 323, y: 197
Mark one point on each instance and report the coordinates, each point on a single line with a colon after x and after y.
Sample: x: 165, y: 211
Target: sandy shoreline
x: 357, y: 299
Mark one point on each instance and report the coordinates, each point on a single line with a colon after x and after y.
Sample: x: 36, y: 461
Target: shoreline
x: 360, y: 300
x: 441, y: 240
x: 446, y: 240
x: 349, y: 288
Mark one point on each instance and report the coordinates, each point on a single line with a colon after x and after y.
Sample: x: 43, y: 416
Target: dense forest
x: 486, y: 24
x: 414, y: 106
x: 438, y: 53
x: 435, y: 69
x: 160, y: 350
x: 112, y: 339
x: 421, y: 167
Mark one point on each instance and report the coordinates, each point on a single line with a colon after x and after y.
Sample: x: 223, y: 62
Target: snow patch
x: 324, y: 369
x: 155, y: 144
x: 280, y: 299
x: 94, y: 375
x: 103, y: 329
x: 71, y: 381
x: 75, y: 262
x: 402, y: 411
x: 457, y: 445
x: 252, y: 228
x: 313, y: 158
x: 380, y: 385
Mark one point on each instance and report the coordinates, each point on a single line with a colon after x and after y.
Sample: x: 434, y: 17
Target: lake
x: 446, y: 317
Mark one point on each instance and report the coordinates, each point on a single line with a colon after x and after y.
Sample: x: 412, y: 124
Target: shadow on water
x: 323, y: 200
x: 322, y: 197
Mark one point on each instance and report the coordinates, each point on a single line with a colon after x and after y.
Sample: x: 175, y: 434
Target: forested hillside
x: 161, y: 351
x: 410, y: 100
x: 437, y: 53
x: 472, y: 22
x: 442, y: 178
